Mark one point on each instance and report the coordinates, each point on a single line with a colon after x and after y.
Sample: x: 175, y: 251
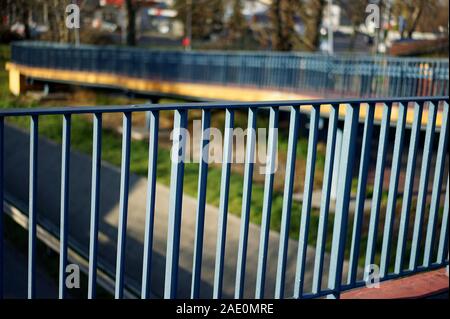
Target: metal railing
x: 355, y: 148
x: 316, y: 74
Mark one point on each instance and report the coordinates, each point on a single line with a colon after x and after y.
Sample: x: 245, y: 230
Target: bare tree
x: 282, y: 16
x: 311, y: 13
x: 237, y: 24
x: 421, y: 14
x: 207, y: 16
x: 4, y: 10
x: 58, y: 30
x: 18, y: 11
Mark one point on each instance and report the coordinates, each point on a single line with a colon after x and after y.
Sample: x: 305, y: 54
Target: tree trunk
x: 317, y: 21
x: 276, y: 21
x: 131, y: 23
x: 282, y: 17
x: 416, y: 20
x: 25, y: 18
x: 313, y: 21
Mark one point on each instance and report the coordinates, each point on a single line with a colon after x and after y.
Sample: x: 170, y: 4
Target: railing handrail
x: 304, y: 74
x: 205, y: 105
x: 358, y: 57
x: 343, y: 148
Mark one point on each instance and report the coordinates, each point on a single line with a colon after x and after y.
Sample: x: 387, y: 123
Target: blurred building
x: 152, y: 16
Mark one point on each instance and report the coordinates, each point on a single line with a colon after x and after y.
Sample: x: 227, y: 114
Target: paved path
x: 16, y: 276
x: 16, y: 183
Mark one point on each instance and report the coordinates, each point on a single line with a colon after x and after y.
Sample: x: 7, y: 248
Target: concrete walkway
x: 16, y: 284
x: 16, y: 183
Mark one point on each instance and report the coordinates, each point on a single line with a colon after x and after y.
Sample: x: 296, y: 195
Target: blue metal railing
x: 434, y: 249
x: 316, y: 74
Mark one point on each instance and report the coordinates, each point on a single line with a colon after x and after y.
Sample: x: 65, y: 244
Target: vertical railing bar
x: 306, y: 203
x: 34, y: 124
x: 393, y: 190
x: 150, y: 207
x: 287, y: 202
x: 175, y: 204
x: 267, y: 203
x: 246, y: 202
x: 2, y: 177
x: 201, y: 203
x: 63, y: 226
x: 423, y: 186
x: 408, y: 189
x: 343, y: 199
x: 95, y: 200
x: 366, y: 150
x: 325, y: 200
x: 443, y: 240
x: 437, y: 187
x: 223, y: 206
x: 123, y: 205
x: 378, y: 188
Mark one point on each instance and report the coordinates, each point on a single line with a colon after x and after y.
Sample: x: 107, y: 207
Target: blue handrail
x: 350, y: 150
x: 319, y: 74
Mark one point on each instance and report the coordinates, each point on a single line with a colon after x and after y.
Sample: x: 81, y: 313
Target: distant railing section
x: 318, y: 74
x: 425, y: 235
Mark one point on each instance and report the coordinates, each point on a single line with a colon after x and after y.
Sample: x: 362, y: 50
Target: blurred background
x: 407, y: 27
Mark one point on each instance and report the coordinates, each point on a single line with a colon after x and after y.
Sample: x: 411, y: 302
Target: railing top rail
x: 344, y: 56
x: 205, y: 105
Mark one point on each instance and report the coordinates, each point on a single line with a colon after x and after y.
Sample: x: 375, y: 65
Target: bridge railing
x: 317, y: 74
x: 425, y: 236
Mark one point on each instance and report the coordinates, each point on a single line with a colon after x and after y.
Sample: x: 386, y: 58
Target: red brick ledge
x: 415, y: 286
